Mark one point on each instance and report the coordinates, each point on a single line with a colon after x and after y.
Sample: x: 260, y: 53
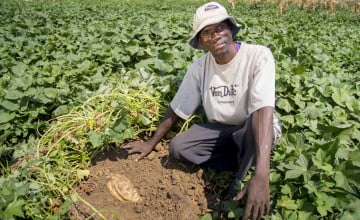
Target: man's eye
x: 205, y: 33
x: 221, y: 27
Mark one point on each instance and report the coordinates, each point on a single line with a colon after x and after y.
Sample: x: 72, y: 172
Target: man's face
x: 216, y: 38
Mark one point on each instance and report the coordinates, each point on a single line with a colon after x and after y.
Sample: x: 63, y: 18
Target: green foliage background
x: 56, y: 55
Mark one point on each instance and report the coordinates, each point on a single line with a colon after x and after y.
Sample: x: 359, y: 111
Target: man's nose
x: 214, y: 35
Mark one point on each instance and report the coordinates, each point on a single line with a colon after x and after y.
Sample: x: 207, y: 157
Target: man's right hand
x: 144, y: 148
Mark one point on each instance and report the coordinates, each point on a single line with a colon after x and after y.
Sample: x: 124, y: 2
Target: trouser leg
x: 245, y: 141
x: 210, y: 144
x: 220, y: 146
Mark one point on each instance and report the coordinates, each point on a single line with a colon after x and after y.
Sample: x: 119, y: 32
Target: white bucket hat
x: 208, y: 14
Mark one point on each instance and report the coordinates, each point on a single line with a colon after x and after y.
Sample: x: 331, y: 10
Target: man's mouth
x: 219, y: 44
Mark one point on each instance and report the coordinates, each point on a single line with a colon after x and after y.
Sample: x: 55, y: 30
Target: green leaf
x: 350, y: 215
x: 128, y: 133
x: 122, y: 123
x: 206, y: 217
x: 14, y: 209
x: 144, y: 120
x: 299, y: 70
x: 274, y: 177
x: 5, y: 150
x: 6, y: 117
x: 34, y: 186
x: 24, y: 102
x: 311, y: 187
x: 61, y: 110
x: 324, y: 203
x: 96, y: 139
x: 342, y: 182
x: 50, y: 92
x: 322, y: 210
x: 320, y: 161
x: 298, y: 101
x: 287, y: 203
x: 284, y: 104
x: 341, y: 96
x: 19, y: 69
x: 294, y: 173
x: 21, y: 188
x: 133, y: 49
x: 231, y: 214
x: 14, y: 94
x: 81, y: 174
x: 355, y: 158
x: 302, y: 161
x: 341, y: 154
x: 288, y: 118
x: 9, y: 105
x: 304, y: 215
x: 115, y: 136
x: 297, y: 169
x: 286, y: 189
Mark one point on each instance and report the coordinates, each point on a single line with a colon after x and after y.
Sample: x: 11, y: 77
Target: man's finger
x: 141, y: 156
x: 132, y: 145
x: 247, y: 211
x: 128, y: 146
x: 241, y: 194
x: 132, y: 150
x: 255, y: 212
x: 261, y: 210
x: 267, y: 208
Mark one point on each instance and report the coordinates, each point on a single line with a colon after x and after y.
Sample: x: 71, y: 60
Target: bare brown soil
x: 168, y: 189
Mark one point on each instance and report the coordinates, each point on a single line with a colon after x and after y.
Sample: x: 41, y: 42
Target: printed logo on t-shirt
x: 223, y: 91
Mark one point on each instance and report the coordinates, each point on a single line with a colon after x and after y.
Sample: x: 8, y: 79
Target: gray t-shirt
x: 229, y: 93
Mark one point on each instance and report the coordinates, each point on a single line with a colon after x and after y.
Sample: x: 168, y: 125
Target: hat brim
x: 194, y: 39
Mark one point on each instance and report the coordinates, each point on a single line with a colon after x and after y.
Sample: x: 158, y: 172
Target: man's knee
x: 174, y: 148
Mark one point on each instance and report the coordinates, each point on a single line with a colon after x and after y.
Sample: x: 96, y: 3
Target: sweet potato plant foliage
x: 86, y: 71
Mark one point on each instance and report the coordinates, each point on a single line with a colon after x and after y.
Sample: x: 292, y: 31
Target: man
x: 235, y: 84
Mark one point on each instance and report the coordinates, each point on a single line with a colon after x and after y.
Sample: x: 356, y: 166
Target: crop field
x: 80, y: 77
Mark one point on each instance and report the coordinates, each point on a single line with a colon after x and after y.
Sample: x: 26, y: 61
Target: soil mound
x: 168, y: 189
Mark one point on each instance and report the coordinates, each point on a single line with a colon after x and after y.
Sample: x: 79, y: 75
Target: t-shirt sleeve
x: 262, y: 84
x: 188, y: 96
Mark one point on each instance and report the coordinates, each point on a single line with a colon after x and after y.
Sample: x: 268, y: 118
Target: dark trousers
x: 219, y: 146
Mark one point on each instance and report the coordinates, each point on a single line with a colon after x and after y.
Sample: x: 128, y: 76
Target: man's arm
x: 263, y: 134
x: 144, y: 148
x: 258, y: 201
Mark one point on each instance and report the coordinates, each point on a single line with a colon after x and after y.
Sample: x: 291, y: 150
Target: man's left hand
x: 258, y: 200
